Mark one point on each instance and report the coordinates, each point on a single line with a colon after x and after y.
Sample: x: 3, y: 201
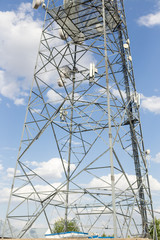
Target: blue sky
x: 20, y: 29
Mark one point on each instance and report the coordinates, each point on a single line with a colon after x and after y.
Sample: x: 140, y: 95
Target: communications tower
x: 82, y: 127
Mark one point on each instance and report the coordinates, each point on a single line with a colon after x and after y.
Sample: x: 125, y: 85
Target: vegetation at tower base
x: 151, y: 229
x: 104, y: 235
x: 59, y: 226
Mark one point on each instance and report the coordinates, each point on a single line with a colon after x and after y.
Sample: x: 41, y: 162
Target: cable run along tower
x: 83, y: 113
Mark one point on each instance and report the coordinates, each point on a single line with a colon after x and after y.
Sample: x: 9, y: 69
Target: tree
x: 59, y: 226
x: 104, y: 235
x: 151, y: 228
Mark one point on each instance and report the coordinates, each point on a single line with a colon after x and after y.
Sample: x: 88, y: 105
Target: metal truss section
x: 83, y: 110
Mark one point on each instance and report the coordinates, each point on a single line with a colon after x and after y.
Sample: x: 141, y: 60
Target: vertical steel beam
x: 109, y: 123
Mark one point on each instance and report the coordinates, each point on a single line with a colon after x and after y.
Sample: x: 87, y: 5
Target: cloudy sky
x: 20, y: 29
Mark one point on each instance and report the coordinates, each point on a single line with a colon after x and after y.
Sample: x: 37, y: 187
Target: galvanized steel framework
x: 84, y: 91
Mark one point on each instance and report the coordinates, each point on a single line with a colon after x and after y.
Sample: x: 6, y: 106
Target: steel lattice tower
x: 84, y: 95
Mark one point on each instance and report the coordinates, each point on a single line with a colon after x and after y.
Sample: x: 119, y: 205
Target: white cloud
x: 33, y: 163
x: 157, y: 212
x: 26, y: 190
x: 19, y: 40
x: 151, y: 104
x: 51, y: 169
x: 157, y: 158
x: 106, y: 181
x: 122, y: 184
x: 154, y: 184
x: 36, y: 110
x: 5, y: 196
x: 150, y: 20
x: 1, y: 167
x: 116, y: 93
x: 10, y: 148
x: 10, y: 172
x: 53, y: 97
x: 76, y: 143
x: 19, y: 101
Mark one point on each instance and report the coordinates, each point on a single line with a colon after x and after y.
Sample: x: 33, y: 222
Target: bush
x: 104, y: 235
x: 151, y: 229
x: 59, y: 226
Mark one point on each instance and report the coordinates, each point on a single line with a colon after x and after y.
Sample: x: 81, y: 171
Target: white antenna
x: 92, y: 72
x: 136, y: 99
